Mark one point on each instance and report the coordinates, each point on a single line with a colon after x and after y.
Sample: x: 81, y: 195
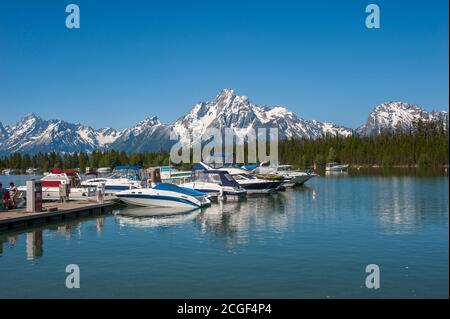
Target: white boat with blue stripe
x: 165, y: 195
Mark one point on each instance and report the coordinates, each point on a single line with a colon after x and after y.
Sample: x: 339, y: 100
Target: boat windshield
x: 206, y: 177
x: 134, y: 173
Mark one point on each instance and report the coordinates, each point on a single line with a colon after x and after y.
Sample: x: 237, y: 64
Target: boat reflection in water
x: 336, y: 173
x: 141, y: 217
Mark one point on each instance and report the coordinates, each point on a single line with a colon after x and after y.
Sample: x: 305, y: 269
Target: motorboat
x: 122, y: 178
x: 291, y: 177
x: 32, y: 171
x: 215, y: 183
x: 104, y: 170
x: 8, y: 171
x: 336, y: 167
x: 246, y: 179
x: 165, y: 195
x: 52, y: 180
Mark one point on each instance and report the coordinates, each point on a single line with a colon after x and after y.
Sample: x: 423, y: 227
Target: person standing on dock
x: 12, y: 194
x: 100, y: 193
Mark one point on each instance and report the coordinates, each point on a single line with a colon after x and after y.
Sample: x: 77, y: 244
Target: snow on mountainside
x: 33, y: 134
x: 392, y: 115
x: 147, y: 135
x: 227, y: 110
x: 4, y: 132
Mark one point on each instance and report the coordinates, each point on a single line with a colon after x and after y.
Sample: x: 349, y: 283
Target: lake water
x: 308, y: 242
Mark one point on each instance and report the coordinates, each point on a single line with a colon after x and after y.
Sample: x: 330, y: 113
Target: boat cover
x: 225, y: 178
x: 178, y: 189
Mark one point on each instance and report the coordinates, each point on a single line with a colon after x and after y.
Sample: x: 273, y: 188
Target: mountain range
x: 33, y: 134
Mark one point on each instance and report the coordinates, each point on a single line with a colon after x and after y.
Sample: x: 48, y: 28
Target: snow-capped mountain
x: 33, y: 134
x: 147, y: 135
x: 227, y: 110
x: 393, y: 115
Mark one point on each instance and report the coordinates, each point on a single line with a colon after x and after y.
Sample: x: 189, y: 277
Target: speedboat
x: 54, y: 178
x: 32, y: 171
x: 336, y: 167
x: 165, y: 195
x: 122, y: 178
x: 291, y: 177
x: 103, y: 170
x: 247, y: 180
x: 215, y: 183
x: 8, y: 171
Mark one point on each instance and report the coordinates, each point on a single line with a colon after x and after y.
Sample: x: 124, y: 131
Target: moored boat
x: 165, y: 195
x: 52, y: 180
x: 122, y: 178
x: 336, y: 167
x: 215, y: 183
x: 291, y: 177
x: 247, y: 180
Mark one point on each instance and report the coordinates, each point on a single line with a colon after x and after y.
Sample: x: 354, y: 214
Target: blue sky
x: 132, y: 59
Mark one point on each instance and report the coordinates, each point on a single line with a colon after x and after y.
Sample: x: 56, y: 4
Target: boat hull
x: 260, y: 187
x: 156, y: 201
x: 299, y: 179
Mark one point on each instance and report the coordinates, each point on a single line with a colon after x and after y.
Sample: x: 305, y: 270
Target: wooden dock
x: 18, y: 218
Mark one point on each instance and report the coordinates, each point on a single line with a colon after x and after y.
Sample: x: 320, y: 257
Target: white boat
x: 215, y: 183
x: 165, y: 195
x: 246, y: 180
x: 122, y: 178
x: 54, y: 178
x: 336, y: 167
x: 8, y: 171
x: 32, y: 171
x: 104, y: 170
x: 291, y: 177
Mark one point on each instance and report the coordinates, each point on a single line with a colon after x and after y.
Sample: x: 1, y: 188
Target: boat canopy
x: 128, y: 167
x: 249, y: 167
x: 215, y: 176
x: 178, y: 189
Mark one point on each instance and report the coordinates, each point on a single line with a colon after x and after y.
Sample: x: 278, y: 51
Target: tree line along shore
x: 424, y: 146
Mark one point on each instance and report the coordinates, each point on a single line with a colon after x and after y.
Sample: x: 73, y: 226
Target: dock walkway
x: 53, y: 212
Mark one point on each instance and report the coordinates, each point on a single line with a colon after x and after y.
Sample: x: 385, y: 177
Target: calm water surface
x: 309, y: 242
